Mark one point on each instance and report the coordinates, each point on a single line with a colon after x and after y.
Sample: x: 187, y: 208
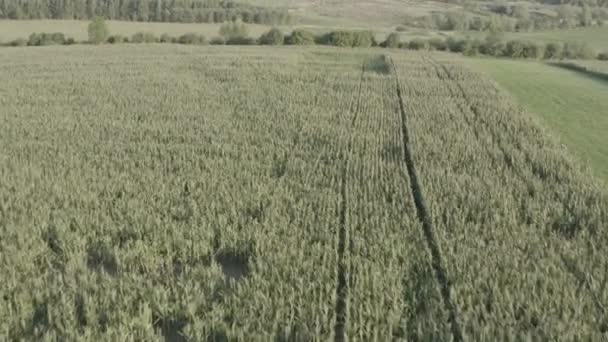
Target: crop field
x: 570, y: 103
x: 181, y: 193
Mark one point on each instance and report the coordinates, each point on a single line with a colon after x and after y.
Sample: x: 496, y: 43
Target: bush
x: 98, y: 31
x: 233, y: 29
x: 554, y: 51
x: 515, y: 49
x: 438, y: 44
x: 241, y: 41
x: 364, y: 39
x: 70, y: 41
x: 272, y: 37
x: 603, y: 56
x: 166, y: 38
x: 471, y: 47
x: 455, y: 45
x: 341, y: 38
x: 116, y: 39
x: 192, y: 39
x: 579, y: 50
x: 18, y: 42
x: 493, y: 46
x: 301, y: 37
x: 143, y: 37
x: 534, y: 50
x: 418, y: 44
x: 401, y: 28
x: 217, y: 41
x: 392, y: 41
x: 40, y: 39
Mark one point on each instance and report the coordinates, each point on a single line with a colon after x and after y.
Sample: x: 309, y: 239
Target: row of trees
x: 510, y: 18
x: 494, y: 45
x: 190, y: 11
x: 236, y: 33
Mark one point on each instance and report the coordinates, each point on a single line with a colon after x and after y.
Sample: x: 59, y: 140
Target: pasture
x: 171, y: 192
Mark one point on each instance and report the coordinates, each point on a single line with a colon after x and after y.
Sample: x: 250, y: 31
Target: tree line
x: 187, y: 11
x: 236, y: 33
x: 510, y: 18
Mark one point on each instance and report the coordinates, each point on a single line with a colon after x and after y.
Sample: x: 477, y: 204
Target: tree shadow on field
x: 379, y: 65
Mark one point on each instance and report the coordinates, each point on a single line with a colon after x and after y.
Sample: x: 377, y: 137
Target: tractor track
x: 344, y: 239
x: 425, y: 218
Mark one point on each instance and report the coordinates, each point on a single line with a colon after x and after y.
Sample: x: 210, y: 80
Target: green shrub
x: 40, y: 39
x: 217, y: 41
x: 471, y: 47
x: 143, y: 37
x: 241, y: 41
x: 116, y: 39
x: 98, y: 31
x: 300, y: 37
x: 554, y: 51
x: 418, y: 44
x: 438, y: 44
x: 515, y: 49
x: 392, y: 41
x: 192, y: 39
x: 534, y: 50
x: 494, y: 45
x: 341, y: 38
x: 272, y: 37
x: 233, y: 29
x: 603, y: 56
x: 69, y: 41
x: 364, y: 39
x: 401, y: 28
x: 455, y: 45
x: 575, y: 50
x: 18, y: 42
x: 166, y: 38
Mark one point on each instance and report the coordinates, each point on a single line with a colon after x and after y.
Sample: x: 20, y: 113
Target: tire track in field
x: 344, y: 238
x: 425, y: 217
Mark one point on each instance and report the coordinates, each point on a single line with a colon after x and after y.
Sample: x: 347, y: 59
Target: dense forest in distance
x: 188, y: 11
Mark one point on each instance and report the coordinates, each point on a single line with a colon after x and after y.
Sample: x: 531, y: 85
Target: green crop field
x: 181, y: 193
x: 572, y: 104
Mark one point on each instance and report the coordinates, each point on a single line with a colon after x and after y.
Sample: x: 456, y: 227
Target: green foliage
x: 166, y: 38
x: 98, y: 30
x: 418, y: 44
x: 364, y: 39
x: 554, y: 51
x: 272, y: 37
x: 392, y: 41
x: 341, y: 38
x: 515, y: 49
x: 117, y: 39
x: 579, y: 50
x: 494, y: 45
x: 18, y: 42
x: 144, y: 37
x: 192, y: 39
x: 40, y: 39
x: 233, y: 30
x: 188, y: 11
x: 301, y: 37
x: 603, y: 56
